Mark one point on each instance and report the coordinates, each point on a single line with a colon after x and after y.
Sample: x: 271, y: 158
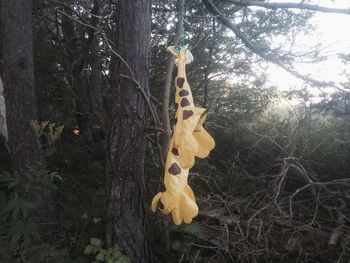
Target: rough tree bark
x: 19, y: 89
x: 95, y: 87
x: 20, y: 98
x: 3, y: 127
x: 126, y: 138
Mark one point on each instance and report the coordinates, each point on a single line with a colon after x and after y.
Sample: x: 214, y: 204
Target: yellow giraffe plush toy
x: 189, y: 139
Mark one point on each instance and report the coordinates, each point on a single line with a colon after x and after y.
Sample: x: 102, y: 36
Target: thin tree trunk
x: 166, y: 91
x: 126, y: 139
x: 3, y: 126
x: 77, y: 52
x: 96, y: 98
x: 208, y: 66
x: 206, y: 86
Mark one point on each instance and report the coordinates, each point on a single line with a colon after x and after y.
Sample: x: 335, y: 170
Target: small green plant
x: 50, y: 132
x: 20, y: 239
x: 109, y: 255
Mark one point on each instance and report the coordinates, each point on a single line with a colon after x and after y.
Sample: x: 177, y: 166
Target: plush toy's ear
x: 188, y: 57
x: 205, y: 142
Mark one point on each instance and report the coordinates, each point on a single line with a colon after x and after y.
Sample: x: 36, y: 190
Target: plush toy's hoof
x: 182, y: 206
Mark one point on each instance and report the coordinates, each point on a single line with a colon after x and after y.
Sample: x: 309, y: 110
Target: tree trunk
x: 20, y: 98
x: 77, y: 52
x: 19, y: 89
x: 95, y: 87
x: 126, y: 140
x: 206, y: 86
x: 3, y: 127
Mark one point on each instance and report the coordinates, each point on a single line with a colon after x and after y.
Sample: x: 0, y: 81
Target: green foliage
x: 250, y: 143
x: 21, y: 239
x: 49, y: 132
x: 80, y: 199
x: 109, y: 255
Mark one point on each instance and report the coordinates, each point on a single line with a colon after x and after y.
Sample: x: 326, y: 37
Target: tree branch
x: 302, y: 6
x: 166, y: 93
x: 261, y: 53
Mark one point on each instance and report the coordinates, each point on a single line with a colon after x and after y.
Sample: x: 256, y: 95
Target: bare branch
x: 166, y: 91
x: 302, y: 6
x: 262, y: 53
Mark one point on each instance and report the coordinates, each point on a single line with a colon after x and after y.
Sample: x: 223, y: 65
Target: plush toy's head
x: 181, y: 53
x: 174, y: 50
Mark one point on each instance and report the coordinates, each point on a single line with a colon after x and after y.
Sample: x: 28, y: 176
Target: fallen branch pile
x: 299, y: 219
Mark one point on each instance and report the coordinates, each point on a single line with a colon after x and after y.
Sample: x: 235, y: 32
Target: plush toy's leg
x: 188, y: 205
x: 155, y: 201
x: 189, y: 192
x: 176, y: 214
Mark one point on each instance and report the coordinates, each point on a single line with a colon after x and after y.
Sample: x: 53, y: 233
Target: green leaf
x: 118, y: 248
x: 56, y: 175
x: 95, y: 242
x: 13, y: 184
x: 100, y: 257
x: 96, y: 220
x: 117, y: 254
x: 124, y: 259
x: 84, y: 216
x: 88, y: 249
